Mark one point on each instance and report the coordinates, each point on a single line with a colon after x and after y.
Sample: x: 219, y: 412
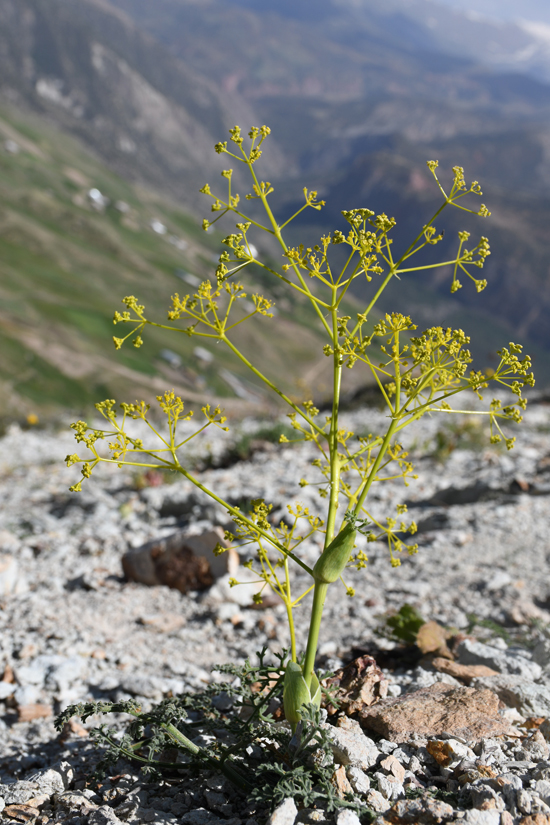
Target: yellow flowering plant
x: 416, y: 373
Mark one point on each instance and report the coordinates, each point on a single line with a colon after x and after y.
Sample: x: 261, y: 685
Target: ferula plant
x: 416, y: 373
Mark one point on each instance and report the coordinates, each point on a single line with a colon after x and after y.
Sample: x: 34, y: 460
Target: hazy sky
x: 538, y: 10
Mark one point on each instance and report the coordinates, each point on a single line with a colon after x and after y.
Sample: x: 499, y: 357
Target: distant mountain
x: 90, y: 69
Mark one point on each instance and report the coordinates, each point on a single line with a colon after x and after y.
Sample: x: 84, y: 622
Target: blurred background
x: 109, y: 111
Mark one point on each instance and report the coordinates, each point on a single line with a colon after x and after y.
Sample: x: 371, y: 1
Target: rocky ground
x: 72, y: 627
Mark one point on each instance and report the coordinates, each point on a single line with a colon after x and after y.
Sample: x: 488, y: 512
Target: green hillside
x: 65, y: 265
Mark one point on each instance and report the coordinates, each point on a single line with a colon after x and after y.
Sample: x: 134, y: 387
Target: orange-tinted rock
x: 439, y: 709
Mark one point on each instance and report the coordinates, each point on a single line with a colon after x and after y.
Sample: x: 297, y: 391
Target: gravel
x: 72, y: 628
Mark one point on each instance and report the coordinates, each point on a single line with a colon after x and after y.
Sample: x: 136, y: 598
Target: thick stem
x: 319, y: 595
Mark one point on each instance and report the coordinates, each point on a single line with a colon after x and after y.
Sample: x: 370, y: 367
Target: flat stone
x: 471, y: 652
x: 529, y: 698
x: 182, y: 561
x: 21, y: 813
x: 284, y: 814
x: 421, y: 811
x: 463, y: 712
x: 465, y: 673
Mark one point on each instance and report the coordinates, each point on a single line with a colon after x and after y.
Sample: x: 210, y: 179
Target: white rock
x: 377, y: 802
x: 284, y: 814
x: 347, y: 817
x: 27, y: 695
x: 358, y: 779
x: 351, y: 747
x: 6, y: 689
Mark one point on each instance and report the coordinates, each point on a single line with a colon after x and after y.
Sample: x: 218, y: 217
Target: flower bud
x: 330, y: 565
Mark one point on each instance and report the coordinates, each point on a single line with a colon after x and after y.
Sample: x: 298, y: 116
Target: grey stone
x: 529, y: 698
x: 284, y: 814
x: 513, y: 661
x: 352, y: 747
x: 103, y: 816
x: 2, y: 804
x: 541, y: 653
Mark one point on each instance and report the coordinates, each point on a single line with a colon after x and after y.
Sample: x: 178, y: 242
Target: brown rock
x: 26, y: 713
x: 465, y: 673
x: 341, y: 782
x: 422, y: 811
x: 21, y: 813
x: 432, y: 638
x: 392, y: 765
x: 533, y: 819
x: 8, y: 675
x: 464, y: 712
x: 358, y: 685
x: 506, y: 818
x: 181, y: 561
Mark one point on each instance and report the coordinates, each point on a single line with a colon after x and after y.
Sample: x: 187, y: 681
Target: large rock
x: 514, y: 661
x: 529, y: 698
x: 182, y: 561
x: 436, y: 710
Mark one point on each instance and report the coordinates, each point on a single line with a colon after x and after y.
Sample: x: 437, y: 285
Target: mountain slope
x: 150, y: 116
x: 66, y: 260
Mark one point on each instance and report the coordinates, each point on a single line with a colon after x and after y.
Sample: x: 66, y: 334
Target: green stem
x: 288, y: 604
x: 375, y: 466
x: 320, y: 591
x: 319, y: 596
